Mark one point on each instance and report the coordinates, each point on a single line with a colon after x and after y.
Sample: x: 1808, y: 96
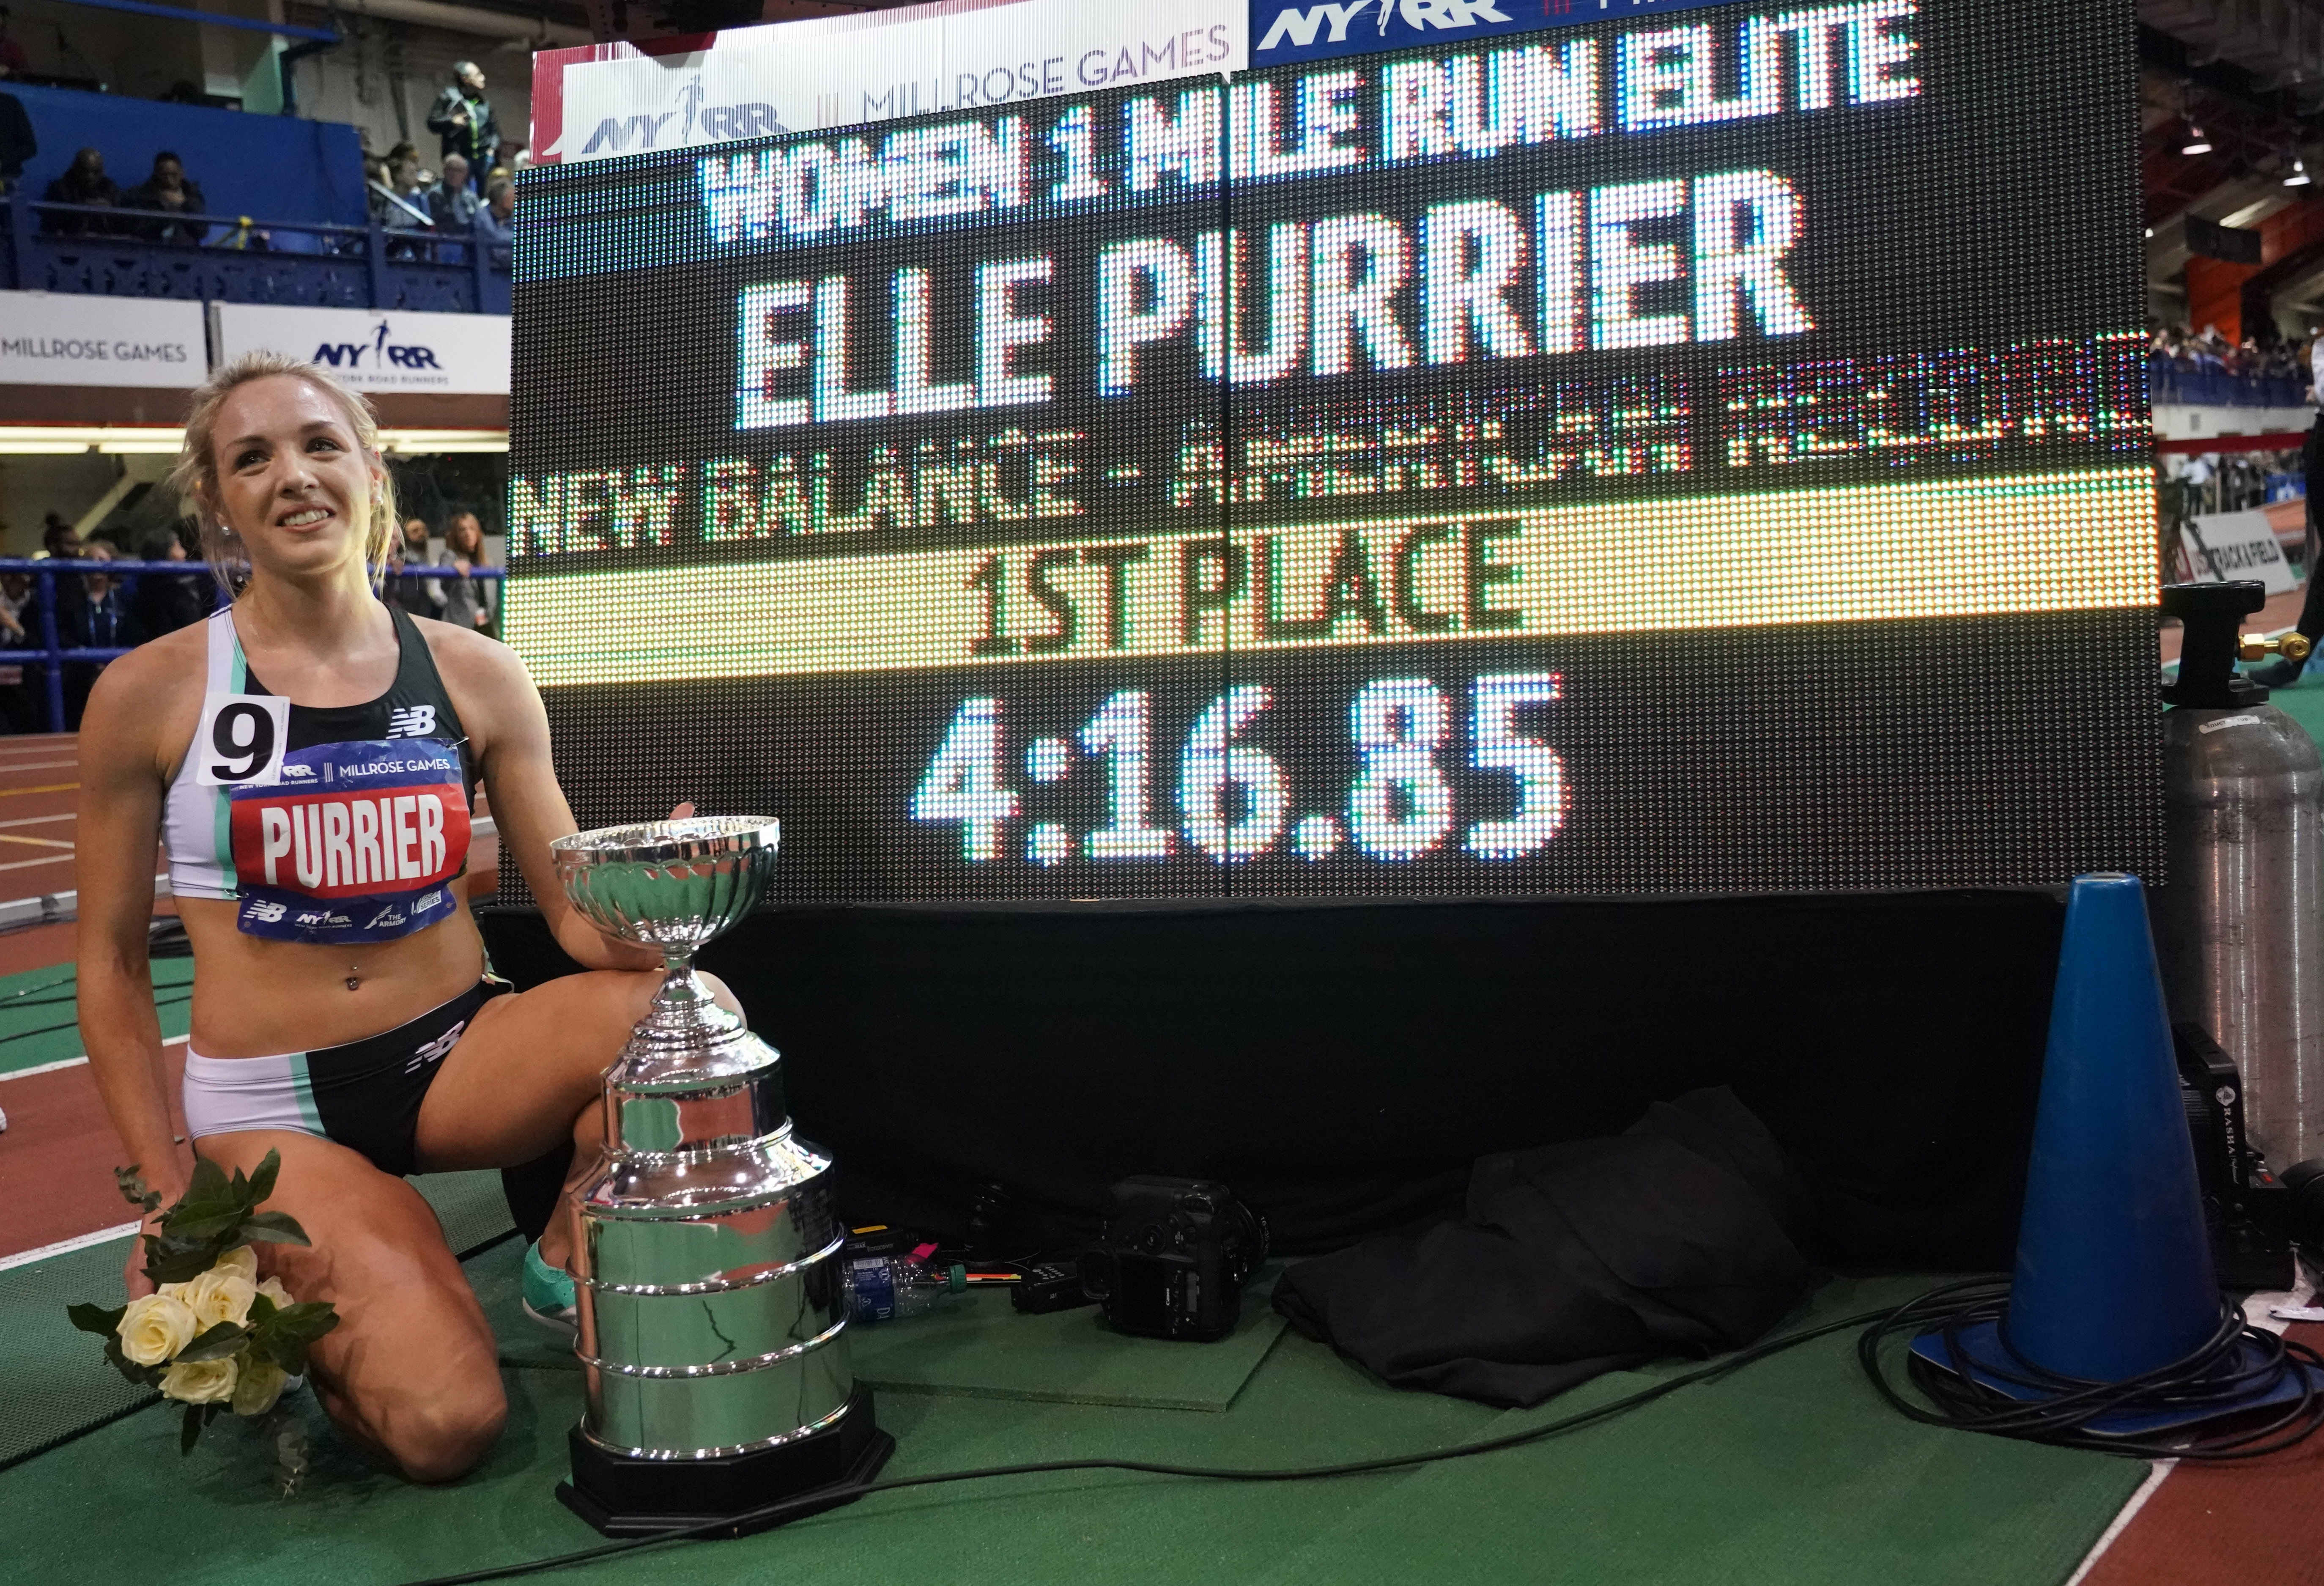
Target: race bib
x: 351, y: 843
x: 240, y: 740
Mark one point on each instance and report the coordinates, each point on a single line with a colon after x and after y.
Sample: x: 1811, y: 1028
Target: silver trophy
x: 713, y: 1308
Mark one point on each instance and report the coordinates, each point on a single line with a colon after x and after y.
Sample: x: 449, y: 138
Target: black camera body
x: 1173, y: 1257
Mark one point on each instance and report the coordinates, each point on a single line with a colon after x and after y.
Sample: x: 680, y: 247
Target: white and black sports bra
x: 327, y: 824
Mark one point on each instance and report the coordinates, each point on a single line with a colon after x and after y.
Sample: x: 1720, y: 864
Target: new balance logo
x: 268, y: 913
x: 411, y: 721
x: 436, y: 1050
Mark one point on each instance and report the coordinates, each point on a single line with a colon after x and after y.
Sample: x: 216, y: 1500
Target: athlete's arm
x: 529, y: 807
x: 115, y: 840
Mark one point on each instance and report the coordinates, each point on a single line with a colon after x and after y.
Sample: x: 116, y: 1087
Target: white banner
x: 67, y: 338
x: 600, y: 100
x: 2225, y: 546
x: 374, y: 351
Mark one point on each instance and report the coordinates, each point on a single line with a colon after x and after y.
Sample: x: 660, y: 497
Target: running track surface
x: 2260, y: 1522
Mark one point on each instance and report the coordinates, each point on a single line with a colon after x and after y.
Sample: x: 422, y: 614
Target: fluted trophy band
x: 712, y: 1310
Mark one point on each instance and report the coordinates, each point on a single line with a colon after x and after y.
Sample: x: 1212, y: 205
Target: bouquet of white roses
x: 212, y: 1336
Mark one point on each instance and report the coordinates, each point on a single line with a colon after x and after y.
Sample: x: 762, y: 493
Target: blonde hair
x: 195, y: 477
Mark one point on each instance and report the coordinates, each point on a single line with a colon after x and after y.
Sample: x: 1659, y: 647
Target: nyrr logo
x: 696, y: 124
x: 380, y: 353
x: 1303, y: 27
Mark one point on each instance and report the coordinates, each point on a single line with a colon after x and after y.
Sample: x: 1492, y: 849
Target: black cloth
x: 67, y: 190
x: 455, y: 208
x: 18, y: 141
x: 1682, y: 1235
x: 161, y: 224
x: 83, y: 623
x: 478, y: 141
x: 167, y: 602
x: 367, y: 1093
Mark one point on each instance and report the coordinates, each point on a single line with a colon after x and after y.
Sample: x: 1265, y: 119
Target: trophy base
x: 623, y: 1495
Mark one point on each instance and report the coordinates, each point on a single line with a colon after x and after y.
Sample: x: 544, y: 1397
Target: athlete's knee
x: 442, y: 1438
x: 725, y: 998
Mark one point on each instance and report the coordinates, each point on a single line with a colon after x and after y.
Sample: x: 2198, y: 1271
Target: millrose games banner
x: 1695, y: 451
x: 600, y: 100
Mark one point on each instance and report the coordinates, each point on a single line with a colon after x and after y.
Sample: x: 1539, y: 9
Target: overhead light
x: 2197, y: 143
x: 59, y: 440
x: 2150, y: 232
x: 2299, y: 177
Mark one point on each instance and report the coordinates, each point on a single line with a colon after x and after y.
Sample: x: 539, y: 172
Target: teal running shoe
x: 549, y: 1294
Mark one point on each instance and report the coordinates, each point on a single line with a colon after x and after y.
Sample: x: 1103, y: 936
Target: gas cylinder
x: 2239, y: 927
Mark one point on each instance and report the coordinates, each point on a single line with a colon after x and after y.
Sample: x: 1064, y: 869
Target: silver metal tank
x: 2239, y: 929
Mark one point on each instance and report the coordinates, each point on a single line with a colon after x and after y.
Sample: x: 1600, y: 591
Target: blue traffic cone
x: 2114, y: 1268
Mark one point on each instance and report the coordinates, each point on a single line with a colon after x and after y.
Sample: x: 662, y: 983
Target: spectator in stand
x: 467, y: 602
x: 463, y: 118
x: 57, y: 537
x: 407, y: 202
x: 13, y: 59
x: 168, y: 193
x: 422, y: 597
x: 100, y: 620
x: 452, y: 201
x: 18, y: 143
x: 19, y: 704
x: 84, y: 182
x: 167, y: 602
x: 496, y: 221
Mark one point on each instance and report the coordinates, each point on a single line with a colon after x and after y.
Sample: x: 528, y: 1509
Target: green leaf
x: 214, y: 1344
x: 95, y: 1319
x: 260, y: 1310
x: 261, y: 1183
x: 272, y: 1227
x: 168, y: 1260
x: 134, y: 1189
x: 286, y: 1335
x: 143, y: 1376
x: 189, y: 1431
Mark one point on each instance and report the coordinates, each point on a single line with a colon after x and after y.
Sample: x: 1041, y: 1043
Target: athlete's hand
x: 132, y: 1270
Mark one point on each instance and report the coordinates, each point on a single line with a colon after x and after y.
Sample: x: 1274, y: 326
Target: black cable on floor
x: 2211, y: 1378
x: 775, y: 1513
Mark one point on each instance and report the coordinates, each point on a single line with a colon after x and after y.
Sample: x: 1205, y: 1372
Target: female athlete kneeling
x: 308, y: 757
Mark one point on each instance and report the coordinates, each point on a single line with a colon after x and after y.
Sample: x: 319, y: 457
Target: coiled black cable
x: 2233, y: 1365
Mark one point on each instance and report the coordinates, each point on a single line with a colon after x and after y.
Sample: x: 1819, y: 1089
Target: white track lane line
x: 2155, y: 1478
x: 65, y: 1246
x: 72, y: 1062
x: 41, y: 820
x: 36, y: 765
x: 27, y: 863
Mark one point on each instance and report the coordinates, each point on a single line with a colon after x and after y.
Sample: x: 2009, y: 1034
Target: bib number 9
x: 240, y: 740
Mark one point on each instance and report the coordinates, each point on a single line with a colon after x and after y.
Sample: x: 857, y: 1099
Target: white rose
x: 199, y: 1382
x: 274, y: 1290
x: 154, y: 1328
x: 242, y: 1258
x: 258, y: 1385
x: 219, y: 1295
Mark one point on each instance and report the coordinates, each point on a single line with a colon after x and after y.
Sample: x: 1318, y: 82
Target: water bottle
x: 895, y: 1288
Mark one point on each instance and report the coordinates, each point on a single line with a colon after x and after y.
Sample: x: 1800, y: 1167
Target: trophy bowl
x: 711, y: 1305
x: 672, y: 885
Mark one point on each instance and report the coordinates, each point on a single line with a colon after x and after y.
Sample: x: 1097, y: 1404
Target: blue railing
x: 99, y: 250
x: 2216, y: 388
x: 53, y: 655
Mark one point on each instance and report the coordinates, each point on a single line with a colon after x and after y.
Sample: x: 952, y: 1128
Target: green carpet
x: 36, y: 1011
x: 1790, y: 1472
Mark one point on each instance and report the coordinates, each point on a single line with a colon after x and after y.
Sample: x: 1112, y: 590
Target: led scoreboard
x: 1698, y: 451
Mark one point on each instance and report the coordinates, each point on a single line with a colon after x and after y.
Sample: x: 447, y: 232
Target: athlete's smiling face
x: 294, y: 483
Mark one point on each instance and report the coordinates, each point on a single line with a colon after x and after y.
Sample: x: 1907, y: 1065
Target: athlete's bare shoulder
x: 485, y: 676
x: 143, y: 705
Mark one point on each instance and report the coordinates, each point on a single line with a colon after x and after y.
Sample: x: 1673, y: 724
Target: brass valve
x: 2294, y: 646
